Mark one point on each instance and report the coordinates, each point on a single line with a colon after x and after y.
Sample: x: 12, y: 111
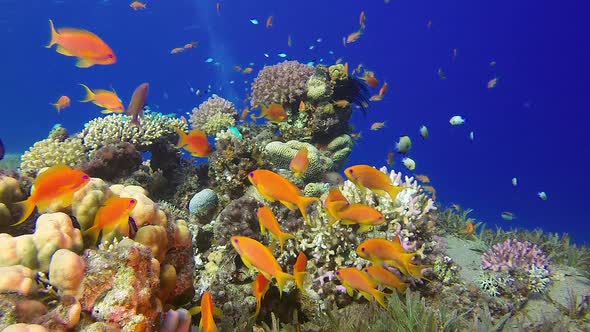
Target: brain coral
x: 117, y: 128
x: 213, y: 115
x: 282, y: 83
x: 50, y: 152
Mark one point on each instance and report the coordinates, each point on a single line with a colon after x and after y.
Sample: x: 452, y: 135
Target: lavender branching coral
x: 213, y: 115
x: 512, y: 255
x: 283, y: 83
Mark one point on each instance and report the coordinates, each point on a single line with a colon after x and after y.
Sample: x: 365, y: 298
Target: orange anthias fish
x: 365, y: 176
x: 269, y: 22
x: 362, y: 19
x: 137, y: 103
x: 136, y: 5
x: 258, y: 257
x: 194, y: 142
x: 207, y: 310
x: 177, y: 50
x: 274, y: 113
x: 386, y: 278
x: 301, y: 106
x: 383, y: 89
x: 335, y: 202
x: 267, y: 220
x: 245, y: 113
x: 104, y: 98
x: 259, y: 288
x: 352, y: 278
x: 62, y: 102
x: 299, y: 271
x: 359, y: 214
x: 431, y: 190
x: 56, y: 184
x: 376, y: 98
x: 300, y: 163
x: 191, y: 45
x: 289, y: 41
x: 85, y: 45
x: 274, y: 187
x: 113, y: 215
x: 380, y: 251
x: 377, y: 125
x: 423, y: 178
x: 370, y: 78
x: 469, y: 228
x: 247, y: 70
x: 351, y: 38
x: 342, y: 103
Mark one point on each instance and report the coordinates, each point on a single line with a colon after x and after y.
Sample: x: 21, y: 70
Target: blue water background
x: 532, y: 126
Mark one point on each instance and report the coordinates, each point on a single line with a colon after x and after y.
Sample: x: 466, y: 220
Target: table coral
x: 214, y: 115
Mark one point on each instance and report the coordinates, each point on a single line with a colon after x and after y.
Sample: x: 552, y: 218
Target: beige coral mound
x: 50, y: 152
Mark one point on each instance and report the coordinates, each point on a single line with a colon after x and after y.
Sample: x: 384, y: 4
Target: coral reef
x: 512, y: 255
x: 113, y: 161
x: 214, y: 115
x: 283, y: 83
x: 203, y: 202
x: 155, y: 128
x: 53, y: 151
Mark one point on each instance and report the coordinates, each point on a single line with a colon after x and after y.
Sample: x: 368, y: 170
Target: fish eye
x: 350, y: 171
x: 236, y: 240
x: 85, y: 177
x: 338, y: 272
x: 110, y: 56
x: 251, y: 174
x: 133, y: 201
x: 363, y: 249
x: 380, y: 218
x: 367, y: 270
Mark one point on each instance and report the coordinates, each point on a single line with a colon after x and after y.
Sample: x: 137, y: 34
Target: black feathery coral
x: 354, y: 90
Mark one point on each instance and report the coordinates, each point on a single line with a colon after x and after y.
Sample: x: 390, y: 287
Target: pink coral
x: 512, y: 255
x: 282, y: 83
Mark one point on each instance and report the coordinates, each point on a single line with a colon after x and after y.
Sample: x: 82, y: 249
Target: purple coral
x: 213, y: 108
x: 282, y: 83
x: 512, y: 255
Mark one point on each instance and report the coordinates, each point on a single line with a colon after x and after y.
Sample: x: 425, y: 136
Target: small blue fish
x: 311, y: 63
x: 282, y: 55
x: 254, y: 21
x: 209, y: 60
x: 266, y: 55
x: 235, y: 131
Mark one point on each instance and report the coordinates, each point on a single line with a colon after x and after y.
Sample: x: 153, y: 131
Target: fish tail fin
x: 27, y: 207
x: 303, y: 202
x: 299, y: 279
x: 416, y: 270
x: 283, y: 237
x: 54, y: 35
x: 379, y: 297
x: 181, y: 137
x: 393, y: 191
x: 56, y: 106
x: 89, y: 94
x: 282, y: 279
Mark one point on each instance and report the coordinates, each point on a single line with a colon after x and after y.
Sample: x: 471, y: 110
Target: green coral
x: 338, y: 72
x: 218, y: 122
x: 445, y: 270
x: 317, y: 87
x: 280, y: 154
x: 50, y: 152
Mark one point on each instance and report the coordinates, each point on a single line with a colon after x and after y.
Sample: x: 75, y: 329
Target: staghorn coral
x: 50, y: 152
x: 214, y: 115
x: 155, y: 128
x: 283, y: 83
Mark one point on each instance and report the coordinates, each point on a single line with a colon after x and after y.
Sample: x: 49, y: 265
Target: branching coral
x: 117, y: 128
x: 50, y: 152
x: 283, y: 83
x: 214, y: 115
x: 514, y: 255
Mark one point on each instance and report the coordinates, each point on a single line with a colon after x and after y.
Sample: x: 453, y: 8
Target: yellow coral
x: 218, y: 122
x: 53, y: 231
x: 66, y: 271
x: 50, y: 152
x: 17, y: 278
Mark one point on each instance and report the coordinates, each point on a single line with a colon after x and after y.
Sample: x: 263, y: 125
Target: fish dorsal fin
x: 397, y: 244
x: 198, y: 134
x: 50, y: 172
